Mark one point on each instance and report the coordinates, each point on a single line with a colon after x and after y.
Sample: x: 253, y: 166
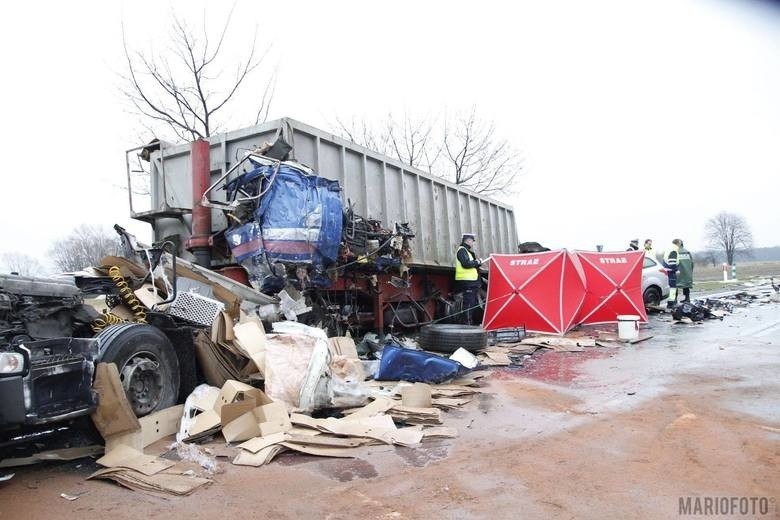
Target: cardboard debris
x: 465, y: 358
x: 560, y: 344
x: 126, y: 457
x: 219, y: 364
x: 343, y: 346
x: 166, y: 483
x: 160, y: 425
x: 326, y: 441
x: 380, y: 427
x: 114, y: 415
x: 412, y: 415
x: 256, y: 444
x: 320, y: 451
x: 62, y: 454
x: 495, y: 356
x: 250, y: 339
x: 440, y: 432
x: 262, y: 457
x: 258, y: 422
x: 148, y: 296
x: 450, y: 403
x: 221, y: 407
x: 417, y: 395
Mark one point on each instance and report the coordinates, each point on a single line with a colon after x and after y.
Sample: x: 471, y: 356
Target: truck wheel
x: 147, y: 365
x: 652, y: 296
x: 447, y: 338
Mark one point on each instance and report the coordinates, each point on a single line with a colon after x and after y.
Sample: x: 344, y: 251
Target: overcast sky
x: 635, y: 119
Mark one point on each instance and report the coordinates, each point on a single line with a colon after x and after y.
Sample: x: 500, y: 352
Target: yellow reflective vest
x: 465, y: 273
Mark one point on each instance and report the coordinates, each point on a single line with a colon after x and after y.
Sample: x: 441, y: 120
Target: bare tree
x: 183, y: 87
x: 462, y: 149
x: 729, y: 233
x: 22, y: 264
x: 84, y: 247
x: 411, y: 140
x: 708, y: 257
x: 477, y: 158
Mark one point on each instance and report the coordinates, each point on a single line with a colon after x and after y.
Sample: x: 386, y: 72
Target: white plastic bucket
x: 628, y: 327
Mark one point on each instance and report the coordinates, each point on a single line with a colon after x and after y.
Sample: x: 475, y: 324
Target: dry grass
x: 706, y: 277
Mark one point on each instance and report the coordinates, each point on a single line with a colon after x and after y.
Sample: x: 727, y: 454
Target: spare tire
x: 147, y: 365
x: 447, y: 338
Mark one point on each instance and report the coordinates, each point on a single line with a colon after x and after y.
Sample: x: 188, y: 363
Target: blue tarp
x: 298, y: 218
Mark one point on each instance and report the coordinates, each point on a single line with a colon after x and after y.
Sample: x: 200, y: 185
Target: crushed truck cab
x: 45, y: 368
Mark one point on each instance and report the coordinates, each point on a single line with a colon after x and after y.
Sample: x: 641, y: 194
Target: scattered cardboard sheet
x: 160, y: 424
x: 219, y: 364
x: 412, y: 415
x: 417, y: 395
x: 114, y: 415
x: 264, y: 456
x: 496, y: 358
x: 465, y: 358
x: 250, y: 339
x: 379, y: 427
x: 161, y: 484
x: 440, y: 432
x: 378, y: 406
x: 343, y: 346
x: 126, y: 457
x: 258, y: 422
x: 146, y: 293
x: 62, y: 454
x: 450, y: 403
x: 256, y: 444
x: 321, y: 451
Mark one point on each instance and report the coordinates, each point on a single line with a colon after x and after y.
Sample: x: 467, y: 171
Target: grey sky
x: 636, y: 119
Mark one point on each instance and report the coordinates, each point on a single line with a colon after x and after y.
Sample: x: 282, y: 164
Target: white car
x: 655, y: 282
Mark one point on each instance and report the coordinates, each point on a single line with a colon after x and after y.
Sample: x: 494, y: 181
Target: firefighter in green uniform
x: 684, y: 271
x: 467, y: 280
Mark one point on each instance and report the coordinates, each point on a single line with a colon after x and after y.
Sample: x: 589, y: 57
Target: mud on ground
x: 609, y: 433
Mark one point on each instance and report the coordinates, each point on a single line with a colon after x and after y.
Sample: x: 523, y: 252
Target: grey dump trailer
x: 386, y: 257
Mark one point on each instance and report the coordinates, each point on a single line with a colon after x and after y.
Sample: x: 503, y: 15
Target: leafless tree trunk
x: 464, y: 150
x: 729, y: 233
x: 22, y: 264
x: 86, y: 246
x: 183, y: 87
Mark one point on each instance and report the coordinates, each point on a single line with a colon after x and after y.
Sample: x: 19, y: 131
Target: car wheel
x: 652, y: 296
x: 147, y: 365
x: 447, y: 338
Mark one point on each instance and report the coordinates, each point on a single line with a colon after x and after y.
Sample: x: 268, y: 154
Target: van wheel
x: 147, y: 365
x: 447, y: 338
x: 652, y: 296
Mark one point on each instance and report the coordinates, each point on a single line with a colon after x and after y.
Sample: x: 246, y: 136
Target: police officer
x: 466, y: 275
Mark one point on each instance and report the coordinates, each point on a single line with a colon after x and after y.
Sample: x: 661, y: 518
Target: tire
x: 652, y: 296
x: 147, y: 365
x: 447, y: 338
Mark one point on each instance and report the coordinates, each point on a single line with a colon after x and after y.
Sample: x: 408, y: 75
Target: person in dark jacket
x: 670, y: 264
x: 467, y: 280
x: 684, y: 271
x: 633, y: 245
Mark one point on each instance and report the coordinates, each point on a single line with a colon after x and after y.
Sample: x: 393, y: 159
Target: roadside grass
x: 708, y: 278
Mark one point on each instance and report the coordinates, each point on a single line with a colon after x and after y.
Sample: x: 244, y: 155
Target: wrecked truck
x: 278, y: 221
x: 365, y: 241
